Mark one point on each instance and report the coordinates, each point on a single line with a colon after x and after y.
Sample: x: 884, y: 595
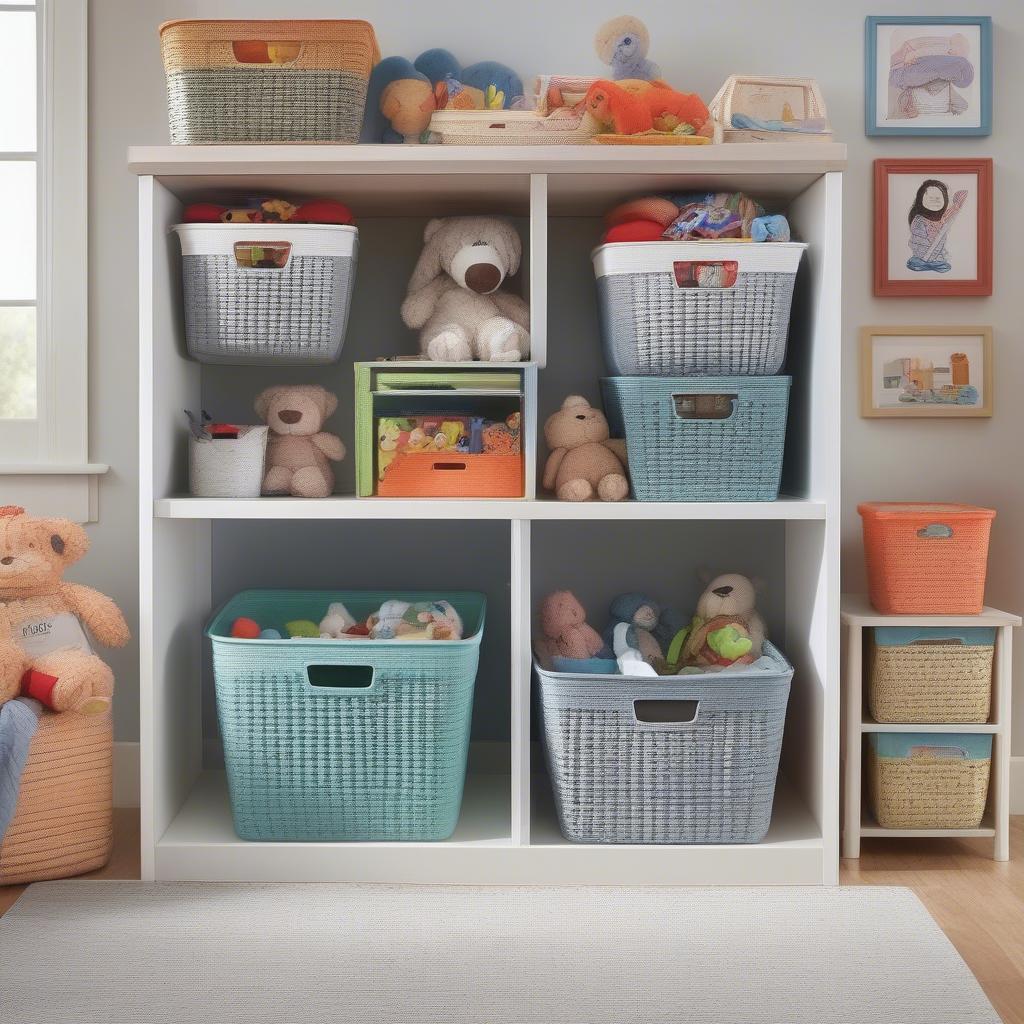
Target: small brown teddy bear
x: 584, y: 463
x: 41, y: 617
x: 563, y: 623
x: 298, y: 450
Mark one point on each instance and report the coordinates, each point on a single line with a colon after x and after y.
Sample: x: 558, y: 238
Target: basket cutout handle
x: 340, y: 679
x: 946, y: 752
x: 705, y: 273
x: 665, y: 712
x: 274, y: 52
x: 935, y: 531
x: 262, y: 255
x: 705, y: 407
x: 449, y: 466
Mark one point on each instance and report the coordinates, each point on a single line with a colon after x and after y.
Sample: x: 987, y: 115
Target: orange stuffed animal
x: 43, y: 647
x: 657, y: 108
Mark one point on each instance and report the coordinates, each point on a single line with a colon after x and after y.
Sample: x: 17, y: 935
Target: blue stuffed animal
x: 491, y: 85
x: 399, y: 102
x: 633, y: 619
x: 622, y: 43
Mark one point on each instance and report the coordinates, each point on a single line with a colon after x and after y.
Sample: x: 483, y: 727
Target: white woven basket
x: 228, y: 467
x: 509, y: 128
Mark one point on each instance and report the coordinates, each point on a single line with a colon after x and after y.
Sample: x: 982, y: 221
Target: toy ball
x: 301, y: 629
x: 245, y: 629
x: 323, y: 211
x: 270, y: 634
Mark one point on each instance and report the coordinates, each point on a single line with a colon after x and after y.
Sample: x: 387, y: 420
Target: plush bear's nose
x: 483, y: 278
x: 289, y: 415
x: 7, y: 560
x: 722, y: 591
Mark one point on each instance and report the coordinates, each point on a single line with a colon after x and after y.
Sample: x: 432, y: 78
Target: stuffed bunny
x: 453, y: 298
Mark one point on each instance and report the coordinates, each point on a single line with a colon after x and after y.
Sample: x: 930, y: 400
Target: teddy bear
x: 584, y: 462
x: 44, y: 651
x: 727, y: 628
x: 454, y: 300
x: 564, y: 630
x: 298, y: 450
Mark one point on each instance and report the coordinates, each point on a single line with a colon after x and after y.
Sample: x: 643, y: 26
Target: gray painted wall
x: 969, y: 461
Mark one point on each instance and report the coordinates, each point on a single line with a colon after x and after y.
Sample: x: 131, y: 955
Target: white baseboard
x: 1017, y: 784
x: 126, y: 775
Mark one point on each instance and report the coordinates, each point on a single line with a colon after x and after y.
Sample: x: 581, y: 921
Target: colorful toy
x: 486, y: 85
x: 634, y: 617
x: 245, y: 629
x: 336, y: 622
x: 302, y: 629
x: 270, y: 211
x: 298, y: 450
x: 727, y: 628
x: 42, y: 643
x: 393, y: 433
x: 453, y: 298
x: 652, y: 109
x: 623, y: 44
x: 564, y: 630
x: 423, y: 620
x: 584, y: 462
x: 270, y: 634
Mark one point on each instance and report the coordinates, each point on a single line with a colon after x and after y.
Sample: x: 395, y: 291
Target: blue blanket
x: 18, y: 721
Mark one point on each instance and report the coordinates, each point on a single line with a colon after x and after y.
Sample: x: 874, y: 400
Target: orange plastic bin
x: 452, y: 475
x: 926, y: 558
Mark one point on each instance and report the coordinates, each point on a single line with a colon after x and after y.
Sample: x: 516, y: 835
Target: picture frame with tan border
x: 925, y: 371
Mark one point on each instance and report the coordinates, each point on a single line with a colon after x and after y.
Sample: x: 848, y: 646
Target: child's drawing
x: 926, y: 74
x: 930, y: 219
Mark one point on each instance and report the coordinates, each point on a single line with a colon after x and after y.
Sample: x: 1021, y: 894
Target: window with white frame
x: 43, y: 272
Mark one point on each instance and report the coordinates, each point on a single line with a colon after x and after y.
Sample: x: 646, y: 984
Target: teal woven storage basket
x: 343, y: 739
x: 700, y: 438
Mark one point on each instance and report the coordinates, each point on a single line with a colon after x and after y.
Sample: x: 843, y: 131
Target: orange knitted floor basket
x: 444, y: 475
x: 926, y: 558
x: 63, y: 822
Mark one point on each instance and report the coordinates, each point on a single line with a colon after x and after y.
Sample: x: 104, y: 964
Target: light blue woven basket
x: 677, y: 759
x: 700, y: 438
x: 343, y: 739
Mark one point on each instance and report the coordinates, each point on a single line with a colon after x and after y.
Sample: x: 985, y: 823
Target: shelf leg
x: 1003, y: 682
x: 853, y: 710
x: 522, y: 671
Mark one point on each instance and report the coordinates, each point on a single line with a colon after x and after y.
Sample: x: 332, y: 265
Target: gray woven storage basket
x: 651, y: 325
x: 621, y: 780
x: 295, y: 314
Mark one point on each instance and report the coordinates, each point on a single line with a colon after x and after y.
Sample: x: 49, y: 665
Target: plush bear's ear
x: 512, y: 245
x: 428, y: 266
x: 330, y: 403
x: 64, y: 538
x: 263, y: 400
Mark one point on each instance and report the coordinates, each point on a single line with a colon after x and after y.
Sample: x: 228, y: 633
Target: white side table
x: 857, y: 615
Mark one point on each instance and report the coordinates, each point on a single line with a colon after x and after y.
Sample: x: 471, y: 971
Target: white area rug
x: 128, y: 953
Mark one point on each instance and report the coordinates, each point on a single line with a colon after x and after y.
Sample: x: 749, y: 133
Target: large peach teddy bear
x: 585, y: 463
x: 41, y: 617
x: 298, y: 450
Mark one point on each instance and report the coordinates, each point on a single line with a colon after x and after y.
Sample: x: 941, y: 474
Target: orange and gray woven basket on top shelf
x: 267, y: 81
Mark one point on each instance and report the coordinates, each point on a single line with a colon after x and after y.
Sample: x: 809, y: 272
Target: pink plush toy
x: 563, y: 623
x: 298, y: 450
x: 44, y: 651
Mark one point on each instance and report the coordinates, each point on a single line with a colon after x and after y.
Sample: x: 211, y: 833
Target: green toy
x: 729, y: 643
x: 302, y: 629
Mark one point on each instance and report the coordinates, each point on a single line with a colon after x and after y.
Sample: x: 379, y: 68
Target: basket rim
x: 917, y: 509
x: 272, y: 22
x: 473, y: 640
x: 283, y: 225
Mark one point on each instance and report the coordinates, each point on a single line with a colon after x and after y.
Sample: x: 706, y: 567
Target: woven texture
x: 309, y: 762
x: 64, y: 818
x: 508, y: 128
x: 414, y: 475
x: 671, y: 458
x: 297, y: 314
x: 930, y: 684
x: 318, y: 96
x: 619, y: 780
x: 128, y: 952
x: 226, y: 467
x: 651, y: 326
x: 926, y: 559
x: 927, y: 792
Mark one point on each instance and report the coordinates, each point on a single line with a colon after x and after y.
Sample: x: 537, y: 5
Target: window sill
x: 54, y: 488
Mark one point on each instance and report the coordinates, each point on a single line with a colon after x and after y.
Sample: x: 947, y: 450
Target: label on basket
x: 705, y: 273
x: 53, y: 633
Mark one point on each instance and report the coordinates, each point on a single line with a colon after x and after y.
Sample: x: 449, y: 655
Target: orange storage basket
x: 451, y: 475
x: 926, y: 558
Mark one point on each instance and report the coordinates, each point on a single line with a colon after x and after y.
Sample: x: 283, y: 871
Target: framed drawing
x: 933, y: 227
x: 926, y: 371
x: 928, y: 75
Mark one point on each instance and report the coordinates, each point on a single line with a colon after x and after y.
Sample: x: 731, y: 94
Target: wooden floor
x: 977, y: 902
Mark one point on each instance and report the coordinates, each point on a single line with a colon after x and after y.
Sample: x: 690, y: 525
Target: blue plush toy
x: 399, y: 102
x: 622, y: 43
x: 629, y: 633
x: 493, y: 86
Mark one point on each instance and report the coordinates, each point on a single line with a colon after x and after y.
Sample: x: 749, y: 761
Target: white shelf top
x: 869, y: 827
x: 856, y: 610
x: 738, y: 158
x: 347, y: 507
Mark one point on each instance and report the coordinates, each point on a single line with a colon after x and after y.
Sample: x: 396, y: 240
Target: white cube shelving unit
x: 195, y: 552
